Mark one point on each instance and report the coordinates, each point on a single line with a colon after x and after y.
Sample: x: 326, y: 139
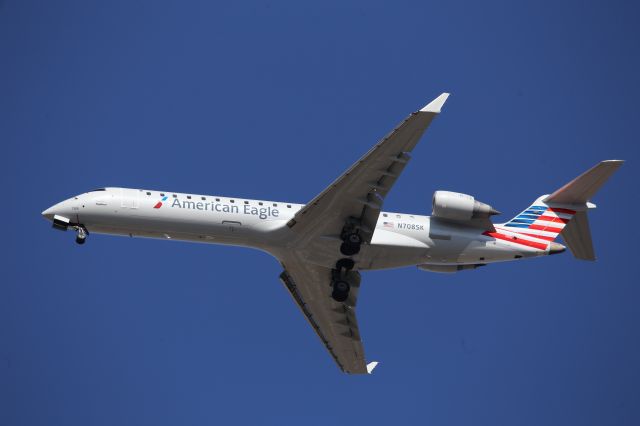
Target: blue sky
x: 273, y: 100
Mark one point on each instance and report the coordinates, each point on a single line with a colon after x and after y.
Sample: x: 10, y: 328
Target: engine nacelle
x: 457, y: 206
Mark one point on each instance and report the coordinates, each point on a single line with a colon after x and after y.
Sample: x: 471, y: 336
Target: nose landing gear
x: 81, y: 234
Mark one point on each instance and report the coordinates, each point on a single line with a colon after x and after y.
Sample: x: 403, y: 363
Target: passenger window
x: 275, y: 205
x: 246, y: 202
x: 188, y: 197
x: 218, y: 199
x: 148, y: 193
x: 384, y: 214
x: 175, y: 196
x: 161, y: 194
x: 203, y: 198
x: 233, y: 201
x: 288, y: 206
x: 260, y: 203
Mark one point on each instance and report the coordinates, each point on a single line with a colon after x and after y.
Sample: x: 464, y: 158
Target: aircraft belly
x: 186, y: 226
x: 385, y: 257
x: 390, y: 249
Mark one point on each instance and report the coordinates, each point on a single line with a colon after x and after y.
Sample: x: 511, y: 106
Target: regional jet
x: 324, y: 244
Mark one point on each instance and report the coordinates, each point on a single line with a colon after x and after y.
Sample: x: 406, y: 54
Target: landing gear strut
x: 81, y: 234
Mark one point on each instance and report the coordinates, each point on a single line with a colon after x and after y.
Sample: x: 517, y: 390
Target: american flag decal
x: 387, y: 224
x: 534, y: 227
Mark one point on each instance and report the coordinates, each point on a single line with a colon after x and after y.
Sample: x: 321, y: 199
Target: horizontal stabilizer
x: 581, y: 189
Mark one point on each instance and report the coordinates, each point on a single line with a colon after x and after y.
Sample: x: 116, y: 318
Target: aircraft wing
x: 360, y: 191
x: 334, y: 322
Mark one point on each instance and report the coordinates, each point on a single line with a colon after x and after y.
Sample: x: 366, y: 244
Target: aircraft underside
x: 324, y: 244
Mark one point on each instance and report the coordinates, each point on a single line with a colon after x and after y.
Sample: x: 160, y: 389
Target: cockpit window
x: 99, y: 189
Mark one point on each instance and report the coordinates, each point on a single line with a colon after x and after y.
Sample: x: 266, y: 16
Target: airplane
x: 324, y: 244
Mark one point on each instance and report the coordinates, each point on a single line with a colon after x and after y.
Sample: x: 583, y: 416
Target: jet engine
x: 457, y: 206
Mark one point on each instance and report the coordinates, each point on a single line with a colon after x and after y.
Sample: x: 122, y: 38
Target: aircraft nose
x: 49, y: 213
x: 62, y: 208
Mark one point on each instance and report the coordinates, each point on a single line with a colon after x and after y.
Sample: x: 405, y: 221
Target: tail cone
x: 555, y: 248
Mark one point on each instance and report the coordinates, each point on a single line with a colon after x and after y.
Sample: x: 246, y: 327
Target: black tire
x: 339, y: 297
x: 345, y: 263
x: 81, y: 240
x: 340, y: 291
x: 341, y: 286
x: 348, y: 249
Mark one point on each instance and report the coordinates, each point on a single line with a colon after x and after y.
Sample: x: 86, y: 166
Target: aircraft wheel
x: 81, y: 235
x: 351, y: 244
x: 349, y: 249
x: 353, y: 239
x: 340, y: 291
x: 345, y: 263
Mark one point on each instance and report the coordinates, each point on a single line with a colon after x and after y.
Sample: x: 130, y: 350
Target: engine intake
x: 457, y: 206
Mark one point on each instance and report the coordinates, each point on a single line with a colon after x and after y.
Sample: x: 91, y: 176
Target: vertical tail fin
x: 564, y: 212
x: 577, y: 235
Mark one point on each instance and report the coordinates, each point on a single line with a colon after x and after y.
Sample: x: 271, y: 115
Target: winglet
x: 436, y: 105
x: 371, y: 366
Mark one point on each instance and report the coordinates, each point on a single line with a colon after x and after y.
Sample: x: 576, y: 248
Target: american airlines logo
x: 159, y: 203
x: 261, y: 212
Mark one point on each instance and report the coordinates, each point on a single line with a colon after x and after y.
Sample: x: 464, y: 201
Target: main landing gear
x: 351, y: 244
x: 342, y: 279
x: 81, y: 234
x: 340, y: 291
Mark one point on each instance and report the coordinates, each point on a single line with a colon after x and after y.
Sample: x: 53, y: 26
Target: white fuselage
x: 399, y: 239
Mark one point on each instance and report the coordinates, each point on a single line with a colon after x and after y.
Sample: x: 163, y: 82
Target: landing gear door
x: 129, y: 198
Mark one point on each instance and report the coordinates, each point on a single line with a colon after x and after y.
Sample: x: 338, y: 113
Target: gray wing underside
x: 357, y: 194
x: 335, y: 323
x: 360, y: 191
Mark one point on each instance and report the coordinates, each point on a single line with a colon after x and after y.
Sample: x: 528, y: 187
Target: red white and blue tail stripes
x: 535, y: 227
